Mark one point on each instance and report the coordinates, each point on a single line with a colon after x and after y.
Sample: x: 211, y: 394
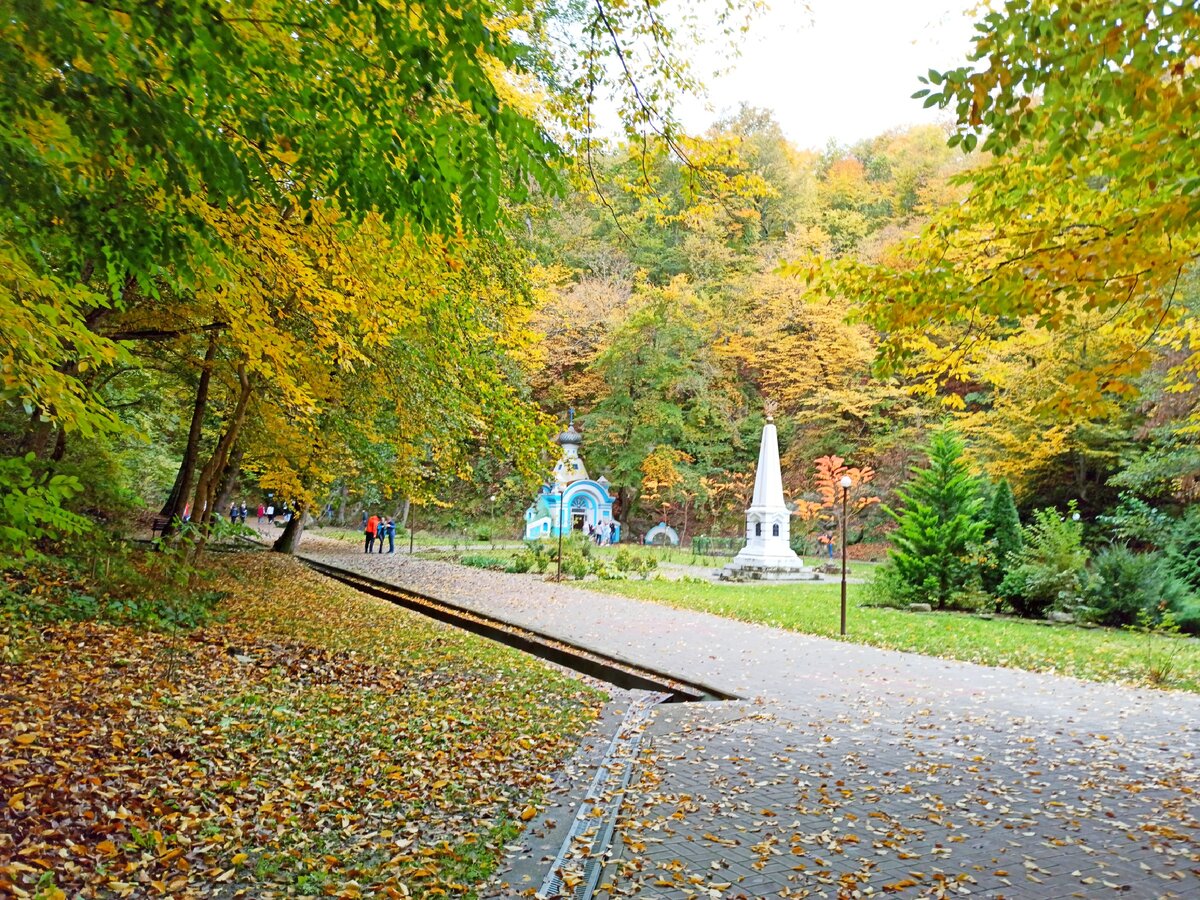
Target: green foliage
x: 936, y: 527
x: 106, y: 582
x: 1050, y: 569
x: 522, y: 562
x: 1135, y: 520
x: 1003, y: 536
x: 1182, y: 554
x: 32, y: 507
x: 624, y: 560
x: 1123, y: 585
x: 487, y: 561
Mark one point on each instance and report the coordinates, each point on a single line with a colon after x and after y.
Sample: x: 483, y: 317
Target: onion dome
x: 570, y: 437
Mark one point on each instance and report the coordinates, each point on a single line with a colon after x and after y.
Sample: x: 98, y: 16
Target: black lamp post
x: 845, y: 483
x: 412, y: 525
x: 562, y: 496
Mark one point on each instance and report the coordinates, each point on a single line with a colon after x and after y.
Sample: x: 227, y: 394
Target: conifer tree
x: 939, y: 521
x: 1004, y: 536
x: 1183, y: 550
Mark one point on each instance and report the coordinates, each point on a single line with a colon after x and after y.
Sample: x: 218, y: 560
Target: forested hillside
x: 681, y: 306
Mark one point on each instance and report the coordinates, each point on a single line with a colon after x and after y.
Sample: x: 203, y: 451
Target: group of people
x: 236, y: 513
x: 601, y: 532
x: 376, y: 529
x: 269, y: 513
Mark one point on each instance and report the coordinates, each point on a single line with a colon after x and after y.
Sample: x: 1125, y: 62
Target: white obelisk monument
x: 768, y: 554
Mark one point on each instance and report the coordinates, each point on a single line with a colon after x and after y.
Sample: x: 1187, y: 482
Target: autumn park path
x: 849, y: 768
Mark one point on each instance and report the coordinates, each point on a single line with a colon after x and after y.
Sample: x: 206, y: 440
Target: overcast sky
x: 841, y: 69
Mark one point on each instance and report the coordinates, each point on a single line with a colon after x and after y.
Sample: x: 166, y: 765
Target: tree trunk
x: 214, y: 469
x: 289, y: 541
x: 343, y: 496
x: 229, y: 482
x: 177, y: 502
x: 404, y: 512
x: 60, y: 446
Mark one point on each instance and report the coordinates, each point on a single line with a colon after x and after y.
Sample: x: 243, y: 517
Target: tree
x: 937, y: 525
x: 1182, y: 553
x: 1003, y: 536
x: 1087, y: 205
x: 663, y: 387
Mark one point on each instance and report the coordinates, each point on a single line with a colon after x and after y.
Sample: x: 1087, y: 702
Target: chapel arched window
x: 775, y: 530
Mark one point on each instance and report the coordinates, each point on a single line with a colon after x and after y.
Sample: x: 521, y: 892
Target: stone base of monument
x: 766, y: 572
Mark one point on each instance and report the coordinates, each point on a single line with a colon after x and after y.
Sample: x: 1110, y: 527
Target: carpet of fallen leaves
x: 733, y: 803
x: 315, y: 742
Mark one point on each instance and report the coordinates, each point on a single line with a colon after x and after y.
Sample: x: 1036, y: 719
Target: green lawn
x: 1095, y: 654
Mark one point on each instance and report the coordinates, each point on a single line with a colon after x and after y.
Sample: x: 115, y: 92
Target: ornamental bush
x: 1124, y: 584
x: 1050, y: 569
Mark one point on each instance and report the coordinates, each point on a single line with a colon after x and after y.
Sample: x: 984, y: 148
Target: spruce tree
x: 1182, y: 555
x: 1004, y: 536
x: 937, y: 524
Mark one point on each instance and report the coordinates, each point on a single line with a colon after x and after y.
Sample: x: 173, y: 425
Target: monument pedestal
x: 753, y: 572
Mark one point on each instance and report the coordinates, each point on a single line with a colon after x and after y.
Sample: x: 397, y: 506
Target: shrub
x: 1050, y: 570
x: 483, y: 534
x: 522, y: 562
x: 1137, y: 521
x: 645, y: 565
x: 485, y: 561
x: 1124, y: 584
x: 624, y: 561
x: 1187, y: 614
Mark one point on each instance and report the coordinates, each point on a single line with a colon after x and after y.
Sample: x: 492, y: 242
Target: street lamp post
x: 492, y: 528
x: 412, y: 525
x: 845, y: 483
x: 562, y: 496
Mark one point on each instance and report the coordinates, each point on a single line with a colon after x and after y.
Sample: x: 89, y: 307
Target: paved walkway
x: 849, y: 768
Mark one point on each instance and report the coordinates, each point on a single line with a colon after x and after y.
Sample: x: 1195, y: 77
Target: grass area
x: 315, y: 741
x: 1095, y: 654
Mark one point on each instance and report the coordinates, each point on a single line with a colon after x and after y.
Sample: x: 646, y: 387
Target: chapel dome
x: 570, y: 436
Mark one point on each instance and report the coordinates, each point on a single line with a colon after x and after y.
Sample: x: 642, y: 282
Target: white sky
x: 840, y: 69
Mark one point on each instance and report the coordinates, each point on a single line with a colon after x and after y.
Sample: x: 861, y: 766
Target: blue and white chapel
x: 571, y: 500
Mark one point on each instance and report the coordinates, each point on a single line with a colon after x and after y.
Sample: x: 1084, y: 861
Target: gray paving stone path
x: 849, y: 771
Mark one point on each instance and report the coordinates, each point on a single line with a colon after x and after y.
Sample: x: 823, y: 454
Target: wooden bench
x: 158, y: 525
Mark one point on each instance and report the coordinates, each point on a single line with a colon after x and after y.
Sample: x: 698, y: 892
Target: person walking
x: 233, y: 513
x: 262, y: 511
x: 391, y: 535
x: 270, y: 514
x: 244, y: 511
x: 369, y: 532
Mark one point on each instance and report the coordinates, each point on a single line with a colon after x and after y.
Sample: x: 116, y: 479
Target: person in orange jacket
x: 369, y: 531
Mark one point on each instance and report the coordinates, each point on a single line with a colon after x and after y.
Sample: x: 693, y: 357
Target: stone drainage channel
x: 585, y: 850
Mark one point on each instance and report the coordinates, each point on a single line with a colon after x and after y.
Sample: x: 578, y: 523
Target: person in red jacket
x: 370, y: 529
